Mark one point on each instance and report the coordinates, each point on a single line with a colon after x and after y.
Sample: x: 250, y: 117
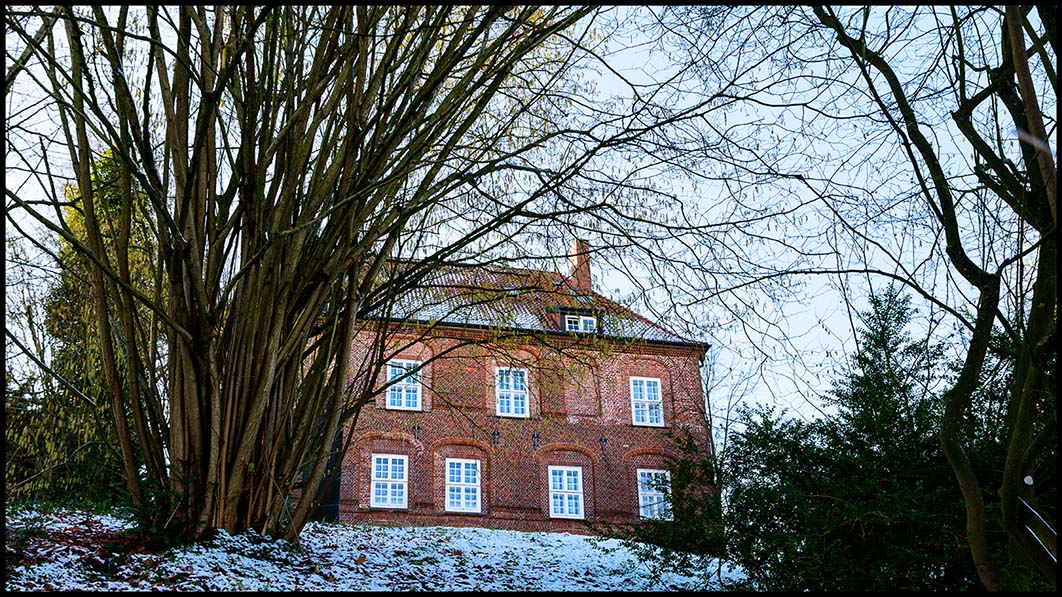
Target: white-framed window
x: 390, y: 480
x: 580, y: 323
x: 647, y: 407
x: 462, y: 485
x: 511, y: 392
x: 652, y: 498
x: 404, y: 391
x: 565, y: 492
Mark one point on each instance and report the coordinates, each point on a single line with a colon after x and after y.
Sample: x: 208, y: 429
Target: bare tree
x: 866, y: 144
x: 287, y: 158
x: 1027, y: 187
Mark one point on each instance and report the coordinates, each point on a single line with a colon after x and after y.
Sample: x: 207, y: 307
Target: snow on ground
x: 71, y: 550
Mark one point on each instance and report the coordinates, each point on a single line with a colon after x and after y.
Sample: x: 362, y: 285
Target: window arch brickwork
x: 463, y: 449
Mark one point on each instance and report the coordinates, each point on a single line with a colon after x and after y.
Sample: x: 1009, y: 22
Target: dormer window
x: 580, y: 323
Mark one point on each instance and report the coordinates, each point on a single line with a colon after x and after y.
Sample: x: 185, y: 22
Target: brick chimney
x: 579, y: 257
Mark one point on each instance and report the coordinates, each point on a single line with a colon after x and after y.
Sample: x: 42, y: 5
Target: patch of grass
x: 252, y: 545
x: 18, y: 506
x: 158, y: 538
x: 16, y: 539
x: 19, y: 537
x: 89, y: 504
x: 103, y: 565
x: 431, y: 560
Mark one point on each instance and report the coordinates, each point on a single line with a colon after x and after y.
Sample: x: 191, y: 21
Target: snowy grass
x: 73, y: 550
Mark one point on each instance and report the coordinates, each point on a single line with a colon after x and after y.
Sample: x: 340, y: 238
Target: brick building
x: 520, y: 399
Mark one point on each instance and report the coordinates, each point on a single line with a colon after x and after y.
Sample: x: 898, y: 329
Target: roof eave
x: 703, y: 346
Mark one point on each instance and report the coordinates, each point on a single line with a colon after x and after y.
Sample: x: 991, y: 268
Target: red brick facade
x: 579, y: 415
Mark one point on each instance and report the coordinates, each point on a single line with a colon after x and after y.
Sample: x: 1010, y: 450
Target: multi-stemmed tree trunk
x: 286, y: 155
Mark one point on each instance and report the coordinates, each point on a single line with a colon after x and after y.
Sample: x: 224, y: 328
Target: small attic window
x: 580, y: 323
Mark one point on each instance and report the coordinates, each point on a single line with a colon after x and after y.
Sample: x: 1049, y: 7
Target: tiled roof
x: 519, y: 299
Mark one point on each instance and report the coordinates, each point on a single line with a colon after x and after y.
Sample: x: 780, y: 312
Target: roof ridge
x: 546, y: 291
